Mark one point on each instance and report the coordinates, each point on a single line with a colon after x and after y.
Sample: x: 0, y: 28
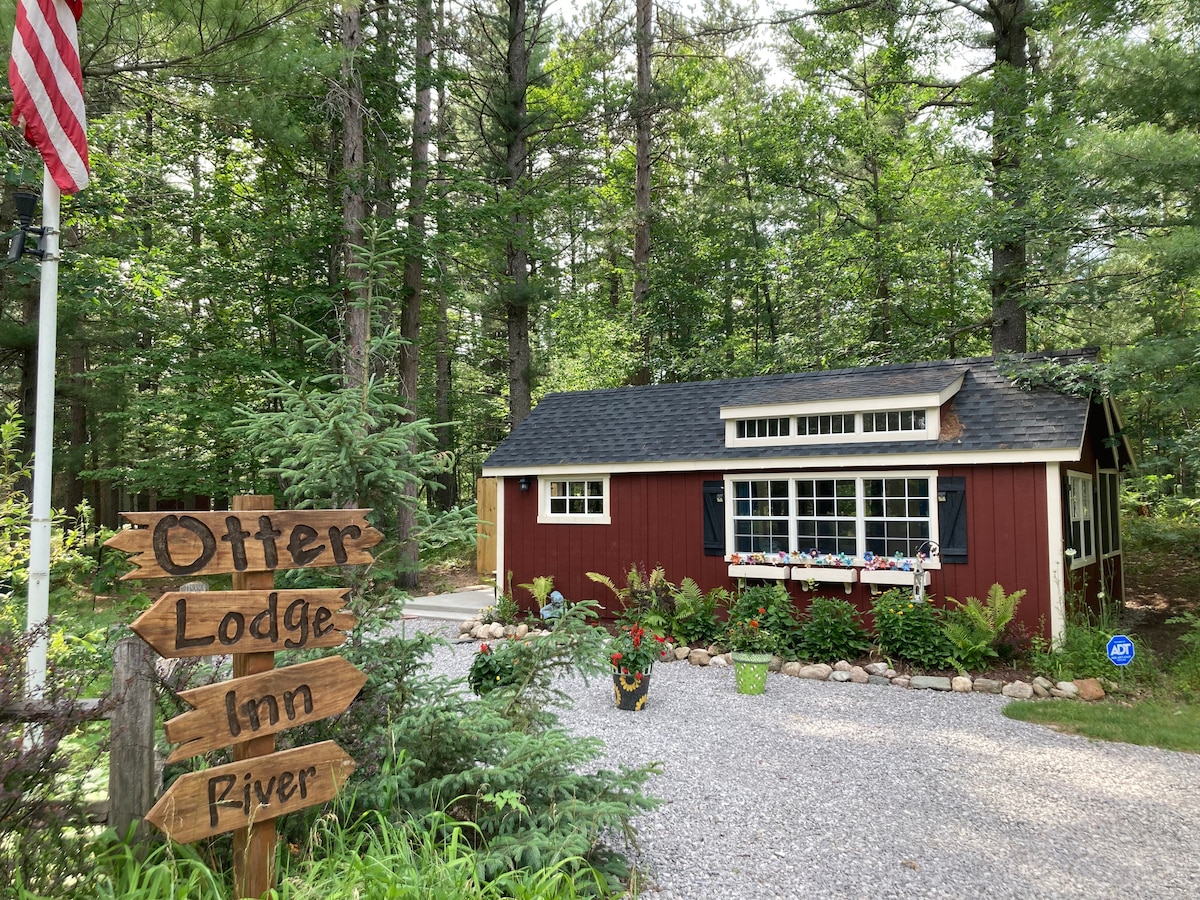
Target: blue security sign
x: 1120, y: 650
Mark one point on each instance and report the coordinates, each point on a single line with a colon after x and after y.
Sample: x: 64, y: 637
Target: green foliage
x: 831, y: 631
x: 771, y: 605
x: 635, y: 649
x: 751, y: 636
x: 911, y: 631
x: 647, y: 600
x: 976, y: 628
x: 1082, y: 652
x: 426, y: 750
x: 540, y: 588
x: 499, y: 666
x: 696, y: 621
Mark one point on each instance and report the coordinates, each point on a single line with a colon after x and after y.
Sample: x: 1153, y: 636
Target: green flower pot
x: 629, y: 691
x: 750, y: 670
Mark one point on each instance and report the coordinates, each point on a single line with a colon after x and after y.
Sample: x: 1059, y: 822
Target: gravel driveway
x: 818, y: 789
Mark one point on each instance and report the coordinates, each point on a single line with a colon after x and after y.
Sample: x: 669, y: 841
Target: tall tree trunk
x: 445, y: 495
x: 414, y: 266
x: 641, y: 196
x: 516, y: 251
x: 353, y: 202
x: 1009, y: 127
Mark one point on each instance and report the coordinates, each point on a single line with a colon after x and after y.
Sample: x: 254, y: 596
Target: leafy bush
x: 975, y: 628
x: 1082, y: 652
x: 499, y: 667
x: 771, y: 605
x: 647, y: 600
x: 833, y: 630
x: 696, y: 614
x: 427, y: 749
x: 909, y: 630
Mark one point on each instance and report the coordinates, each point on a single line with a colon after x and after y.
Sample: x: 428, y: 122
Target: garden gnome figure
x: 552, y: 610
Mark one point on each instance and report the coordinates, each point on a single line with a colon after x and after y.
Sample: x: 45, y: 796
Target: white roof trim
x: 878, y: 403
x: 873, y: 461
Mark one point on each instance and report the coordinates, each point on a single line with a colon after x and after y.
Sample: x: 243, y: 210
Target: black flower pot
x: 630, y: 690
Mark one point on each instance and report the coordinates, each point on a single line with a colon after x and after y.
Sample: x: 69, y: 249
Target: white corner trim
x: 1054, y: 535
x: 500, y: 567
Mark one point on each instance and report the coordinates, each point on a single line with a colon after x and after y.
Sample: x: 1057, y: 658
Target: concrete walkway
x: 452, y: 606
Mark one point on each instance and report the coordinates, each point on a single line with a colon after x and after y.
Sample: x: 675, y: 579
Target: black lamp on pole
x: 26, y: 203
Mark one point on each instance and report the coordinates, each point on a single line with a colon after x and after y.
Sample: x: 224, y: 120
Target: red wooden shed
x: 845, y: 482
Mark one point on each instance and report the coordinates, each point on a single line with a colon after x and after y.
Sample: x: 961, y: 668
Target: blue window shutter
x: 714, y: 518
x: 952, y: 519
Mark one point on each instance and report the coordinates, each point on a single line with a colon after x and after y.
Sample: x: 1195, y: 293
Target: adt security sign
x: 1120, y: 650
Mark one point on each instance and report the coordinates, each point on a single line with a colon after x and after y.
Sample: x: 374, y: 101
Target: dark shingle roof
x: 682, y: 422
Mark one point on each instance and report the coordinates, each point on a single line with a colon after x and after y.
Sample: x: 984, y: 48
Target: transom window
x: 894, y: 420
x: 880, y: 514
x: 840, y: 423
x: 762, y: 428
x: 581, y: 500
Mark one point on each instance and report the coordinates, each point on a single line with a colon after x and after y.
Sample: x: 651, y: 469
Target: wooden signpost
x: 251, y: 622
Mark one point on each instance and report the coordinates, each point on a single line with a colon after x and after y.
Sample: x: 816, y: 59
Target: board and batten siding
x: 658, y: 519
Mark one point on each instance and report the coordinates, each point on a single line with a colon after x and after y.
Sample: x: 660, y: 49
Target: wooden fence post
x: 131, y: 757
x: 253, y: 847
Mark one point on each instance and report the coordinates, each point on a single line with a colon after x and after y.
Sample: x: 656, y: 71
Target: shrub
x: 771, y: 605
x: 647, y: 600
x: 499, y: 667
x: 430, y: 751
x: 833, y: 630
x: 975, y: 628
x: 695, y: 620
x: 909, y: 630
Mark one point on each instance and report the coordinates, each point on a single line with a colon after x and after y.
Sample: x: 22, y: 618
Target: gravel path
x: 816, y: 789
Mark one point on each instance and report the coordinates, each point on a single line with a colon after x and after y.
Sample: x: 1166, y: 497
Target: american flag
x: 47, y: 85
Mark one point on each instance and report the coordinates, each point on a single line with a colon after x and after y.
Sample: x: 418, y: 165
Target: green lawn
x: 1149, y: 723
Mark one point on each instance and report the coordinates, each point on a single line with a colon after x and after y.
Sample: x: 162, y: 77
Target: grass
x: 1149, y: 723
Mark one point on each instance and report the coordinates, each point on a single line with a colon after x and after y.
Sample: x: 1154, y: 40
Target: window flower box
x: 808, y: 576
x: 742, y: 570
x: 891, y: 576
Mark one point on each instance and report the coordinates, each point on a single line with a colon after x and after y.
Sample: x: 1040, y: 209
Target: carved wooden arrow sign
x: 223, y: 798
x: 255, y: 705
x: 208, y: 623
x: 174, y: 544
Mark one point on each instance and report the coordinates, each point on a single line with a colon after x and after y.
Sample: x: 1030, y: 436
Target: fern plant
x: 974, y: 627
x: 695, y: 620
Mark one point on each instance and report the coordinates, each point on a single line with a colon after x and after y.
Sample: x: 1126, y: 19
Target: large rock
x: 682, y: 652
x: 699, y: 657
x: 1044, y: 683
x: 1018, y: 690
x: 1040, y: 692
x: 818, y: 672
x: 901, y: 681
x: 522, y: 631
x: 878, y: 679
x: 791, y: 668
x: 858, y: 675
x: 876, y: 668
x: 987, y: 686
x: 466, y: 626
x: 718, y: 662
x: 961, y: 684
x: 930, y: 683
x: 776, y: 664
x: 842, y: 666
x: 1067, y: 689
x: 839, y: 675
x: 496, y: 632
x: 1089, y: 689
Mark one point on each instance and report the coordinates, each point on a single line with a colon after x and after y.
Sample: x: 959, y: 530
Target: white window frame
x: 1081, y: 511
x: 861, y: 519
x: 1108, y: 513
x: 545, y: 487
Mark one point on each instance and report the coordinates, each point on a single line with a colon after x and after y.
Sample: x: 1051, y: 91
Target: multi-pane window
x: 832, y: 514
x: 838, y: 423
x: 827, y: 515
x: 896, y: 515
x: 761, y: 517
x: 575, y: 498
x: 1110, y: 513
x: 1081, y: 519
x: 895, y: 420
x: 764, y: 428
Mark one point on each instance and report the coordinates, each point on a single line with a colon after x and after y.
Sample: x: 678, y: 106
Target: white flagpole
x: 43, y: 443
